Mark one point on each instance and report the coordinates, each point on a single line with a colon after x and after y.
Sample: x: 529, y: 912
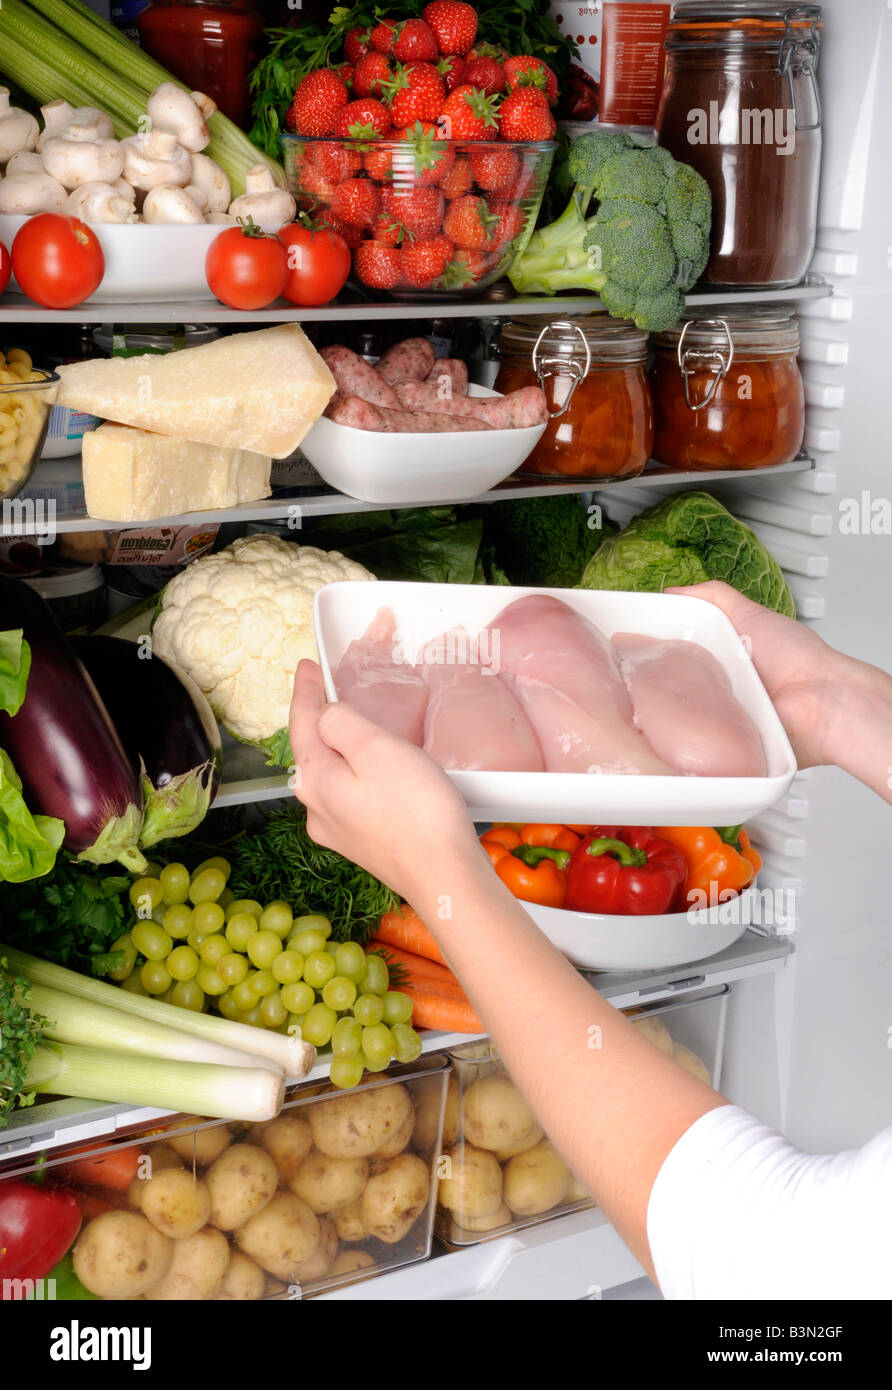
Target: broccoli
x: 542, y: 541
x: 646, y: 243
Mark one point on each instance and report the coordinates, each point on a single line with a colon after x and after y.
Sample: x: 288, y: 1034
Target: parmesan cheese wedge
x: 258, y: 391
x: 132, y: 475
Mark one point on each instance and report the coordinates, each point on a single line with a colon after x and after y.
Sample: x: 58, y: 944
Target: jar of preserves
x: 593, y: 370
x: 740, y: 104
x: 210, y: 45
x: 727, y: 390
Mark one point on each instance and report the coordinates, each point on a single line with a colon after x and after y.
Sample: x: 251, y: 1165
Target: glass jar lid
x: 608, y: 341
x: 754, y: 330
x: 763, y: 22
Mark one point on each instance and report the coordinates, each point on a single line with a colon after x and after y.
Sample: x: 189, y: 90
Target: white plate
x: 398, y: 468
x: 144, y: 264
x: 343, y: 611
x: 594, y: 941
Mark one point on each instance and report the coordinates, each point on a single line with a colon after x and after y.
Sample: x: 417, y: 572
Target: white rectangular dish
x: 343, y: 612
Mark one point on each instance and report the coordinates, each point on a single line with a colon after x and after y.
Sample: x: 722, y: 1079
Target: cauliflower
x: 238, y: 622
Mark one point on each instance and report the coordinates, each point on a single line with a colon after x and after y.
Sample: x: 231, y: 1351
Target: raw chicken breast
x: 684, y: 705
x: 388, y: 692
x: 474, y: 722
x: 565, y: 675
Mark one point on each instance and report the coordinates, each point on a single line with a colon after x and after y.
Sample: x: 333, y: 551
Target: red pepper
x: 38, y: 1225
x: 631, y: 874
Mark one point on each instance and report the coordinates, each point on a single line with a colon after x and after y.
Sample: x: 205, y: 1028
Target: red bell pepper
x: 630, y: 874
x: 38, y: 1225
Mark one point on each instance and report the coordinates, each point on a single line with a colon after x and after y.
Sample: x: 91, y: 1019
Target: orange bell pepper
x: 549, y: 836
x: 721, y: 861
x: 534, y: 873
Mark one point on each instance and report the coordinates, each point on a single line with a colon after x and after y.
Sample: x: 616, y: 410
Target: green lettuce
x: 28, y: 844
x: 15, y: 667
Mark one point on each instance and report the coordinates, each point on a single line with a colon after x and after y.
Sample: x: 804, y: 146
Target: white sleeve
x: 737, y: 1212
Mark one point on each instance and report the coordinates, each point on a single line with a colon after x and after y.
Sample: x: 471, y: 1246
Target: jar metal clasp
x: 804, y: 52
x: 545, y: 366
x: 717, y: 361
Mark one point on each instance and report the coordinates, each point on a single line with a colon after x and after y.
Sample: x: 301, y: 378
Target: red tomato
x: 57, y: 260
x: 246, y: 268
x: 5, y: 267
x: 318, y: 263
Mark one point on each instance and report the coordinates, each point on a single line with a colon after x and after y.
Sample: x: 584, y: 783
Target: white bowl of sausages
x: 412, y: 429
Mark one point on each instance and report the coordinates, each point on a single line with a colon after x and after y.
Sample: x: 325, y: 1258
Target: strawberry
x: 365, y: 119
x: 485, y: 74
x: 487, y: 50
x: 456, y: 182
x: 494, y: 170
x: 378, y: 164
x: 377, y: 265
x: 415, y: 42
x: 317, y: 183
x: 382, y: 36
x: 370, y: 74
x: 422, y: 262
x: 356, y: 45
x: 416, y: 93
x: 420, y: 210
x: 526, y: 71
x: 452, y: 70
x: 465, y: 268
x: 509, y: 224
x: 468, y: 115
x: 468, y: 222
x: 454, y: 24
x: 335, y: 163
x: 427, y: 159
x: 387, y: 229
x: 524, y: 115
x: 345, y: 73
x: 317, y: 101
x: 352, y: 235
x: 356, y: 202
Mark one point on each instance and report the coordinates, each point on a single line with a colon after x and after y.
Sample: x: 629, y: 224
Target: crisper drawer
x: 498, y: 1171
x: 338, y: 1188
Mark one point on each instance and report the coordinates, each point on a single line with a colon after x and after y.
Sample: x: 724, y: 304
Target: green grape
x: 307, y: 942
x: 397, y: 1007
x: 264, y: 983
x: 239, y: 930
x: 251, y: 1016
x: 175, y: 879
x: 368, y: 1009
x: 376, y: 979
x: 232, y: 968
x: 351, y: 960
x: 210, y: 981
x: 208, y: 917
x: 124, y: 943
x: 177, y: 921
x: 346, y: 1039
x: 288, y: 967
x: 377, y: 1043
x: 245, y: 996
x: 196, y: 937
x: 152, y: 870
x: 263, y: 947
x: 133, y: 984
x: 145, y: 895
x: 319, y: 968
x: 156, y: 915
x: 298, y: 998
x: 227, y: 1007
x: 346, y: 1072
x: 239, y: 905
x: 314, y: 921
x: 207, y: 886
x: 183, y: 963
x: 188, y: 994
x: 272, y: 1011
x: 155, y: 977
x: 339, y: 993
x: 222, y: 865
x: 277, y: 917
x: 213, y: 949
x: 295, y: 1024
x: 151, y: 940
x: 318, y: 1025
x: 406, y: 1043
x: 167, y: 996
x: 226, y: 897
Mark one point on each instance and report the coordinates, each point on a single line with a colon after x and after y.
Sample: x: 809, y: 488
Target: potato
x: 281, y: 1237
x: 350, y: 1223
x: 474, y: 1181
x: 244, y: 1281
x: 326, y: 1184
x: 319, y: 1263
x: 399, y: 1139
x: 577, y: 1191
x: 495, y: 1114
x: 393, y: 1199
x: 529, y: 1140
x: 120, y: 1254
x: 427, y: 1115
x: 691, y: 1062
x: 656, y: 1032
x: 241, y: 1182
x: 287, y: 1140
x: 197, y: 1269
x: 536, y: 1181
x: 155, y: 1159
x: 176, y: 1202
x: 348, y: 1260
x: 358, y: 1124
x: 202, y: 1146
x: 500, y: 1217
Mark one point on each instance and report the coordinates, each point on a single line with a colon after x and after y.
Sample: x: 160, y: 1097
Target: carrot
x: 92, y: 1204
x: 115, y: 1169
x: 449, y: 1014
x: 405, y: 928
x: 425, y: 973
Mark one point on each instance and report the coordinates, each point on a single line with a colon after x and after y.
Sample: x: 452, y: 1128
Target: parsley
x: 71, y: 916
x: 20, y: 1037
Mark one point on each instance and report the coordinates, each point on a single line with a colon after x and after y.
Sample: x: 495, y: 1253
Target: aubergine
x: 167, y: 728
x: 63, y: 742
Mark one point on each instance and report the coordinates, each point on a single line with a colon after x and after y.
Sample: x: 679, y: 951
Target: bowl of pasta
x: 27, y: 396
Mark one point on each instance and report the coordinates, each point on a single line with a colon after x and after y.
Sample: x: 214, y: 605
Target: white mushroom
x: 169, y: 203
x: 213, y: 182
x: 221, y: 219
x: 18, y: 129
x: 74, y: 157
x: 156, y: 158
x: 28, y: 193
x: 125, y: 189
x: 100, y: 202
x: 182, y: 114
x: 25, y: 162
x: 268, y: 205
x: 59, y: 115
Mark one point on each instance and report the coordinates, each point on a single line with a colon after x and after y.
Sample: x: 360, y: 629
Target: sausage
x: 410, y: 360
x: 518, y: 410
x: 454, y: 370
x: 362, y: 415
x: 355, y: 377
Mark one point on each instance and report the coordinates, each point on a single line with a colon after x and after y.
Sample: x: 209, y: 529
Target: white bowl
x: 144, y: 264
x: 423, y: 611
x: 594, y: 941
x: 399, y: 468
